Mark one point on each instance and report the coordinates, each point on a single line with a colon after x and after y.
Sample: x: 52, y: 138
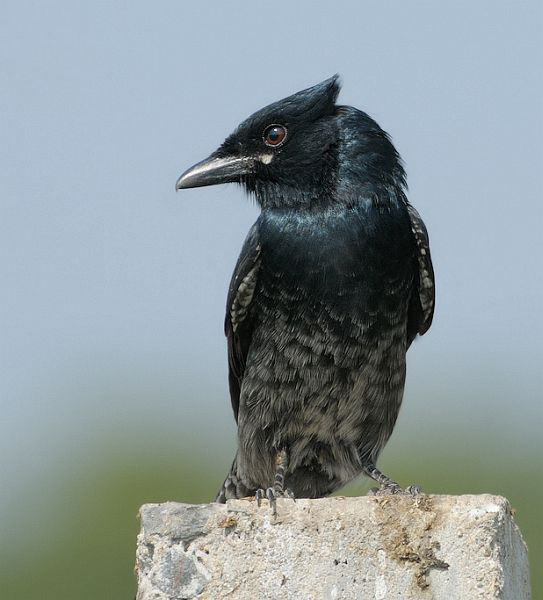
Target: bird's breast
x: 341, y: 257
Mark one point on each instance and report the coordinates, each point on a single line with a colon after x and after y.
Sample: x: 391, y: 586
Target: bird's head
x: 298, y: 150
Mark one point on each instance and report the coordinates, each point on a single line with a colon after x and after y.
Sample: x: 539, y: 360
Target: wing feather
x: 238, y: 322
x: 423, y: 301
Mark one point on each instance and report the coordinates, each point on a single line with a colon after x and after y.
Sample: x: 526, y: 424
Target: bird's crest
x: 309, y: 104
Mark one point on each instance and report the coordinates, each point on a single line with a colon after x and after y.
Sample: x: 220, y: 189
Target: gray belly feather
x: 325, y: 382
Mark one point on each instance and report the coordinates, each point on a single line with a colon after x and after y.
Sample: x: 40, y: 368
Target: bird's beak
x: 215, y: 170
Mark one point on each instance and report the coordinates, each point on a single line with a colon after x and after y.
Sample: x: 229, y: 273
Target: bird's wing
x: 238, y: 321
x: 421, y: 310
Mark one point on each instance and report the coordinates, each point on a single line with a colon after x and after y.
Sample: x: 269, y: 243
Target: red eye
x: 274, y: 135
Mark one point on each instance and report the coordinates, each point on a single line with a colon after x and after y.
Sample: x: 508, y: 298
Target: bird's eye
x: 274, y: 135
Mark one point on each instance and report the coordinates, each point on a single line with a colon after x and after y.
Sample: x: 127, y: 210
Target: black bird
x: 333, y: 283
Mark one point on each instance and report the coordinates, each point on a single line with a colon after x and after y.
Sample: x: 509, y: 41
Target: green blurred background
x: 113, y: 373
x: 76, y: 538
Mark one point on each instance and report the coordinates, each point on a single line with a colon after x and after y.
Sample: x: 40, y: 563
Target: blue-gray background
x: 113, y: 372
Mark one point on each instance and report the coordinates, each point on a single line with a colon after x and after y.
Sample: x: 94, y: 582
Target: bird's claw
x: 271, y: 494
x: 393, y: 489
x: 288, y: 493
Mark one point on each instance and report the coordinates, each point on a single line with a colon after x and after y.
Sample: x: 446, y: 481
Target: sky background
x: 113, y: 361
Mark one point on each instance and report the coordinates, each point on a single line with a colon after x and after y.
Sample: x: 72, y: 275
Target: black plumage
x: 333, y: 283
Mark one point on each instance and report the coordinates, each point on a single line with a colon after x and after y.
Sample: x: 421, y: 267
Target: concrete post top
x: 375, y: 547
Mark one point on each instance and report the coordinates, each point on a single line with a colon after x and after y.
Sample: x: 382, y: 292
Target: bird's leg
x: 388, y: 486
x: 278, y: 489
x: 281, y: 465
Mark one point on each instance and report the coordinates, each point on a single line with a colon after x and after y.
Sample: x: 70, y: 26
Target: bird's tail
x: 233, y: 486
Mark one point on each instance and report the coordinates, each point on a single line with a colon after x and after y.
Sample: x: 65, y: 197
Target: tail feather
x: 233, y: 487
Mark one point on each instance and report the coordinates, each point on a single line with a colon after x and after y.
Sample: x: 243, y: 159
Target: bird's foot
x: 388, y: 487
x: 271, y: 494
x: 393, y: 489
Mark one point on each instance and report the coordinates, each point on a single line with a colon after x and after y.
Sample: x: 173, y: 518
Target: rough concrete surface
x: 378, y: 548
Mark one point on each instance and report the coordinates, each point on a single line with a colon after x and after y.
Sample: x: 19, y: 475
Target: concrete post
x: 378, y: 548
